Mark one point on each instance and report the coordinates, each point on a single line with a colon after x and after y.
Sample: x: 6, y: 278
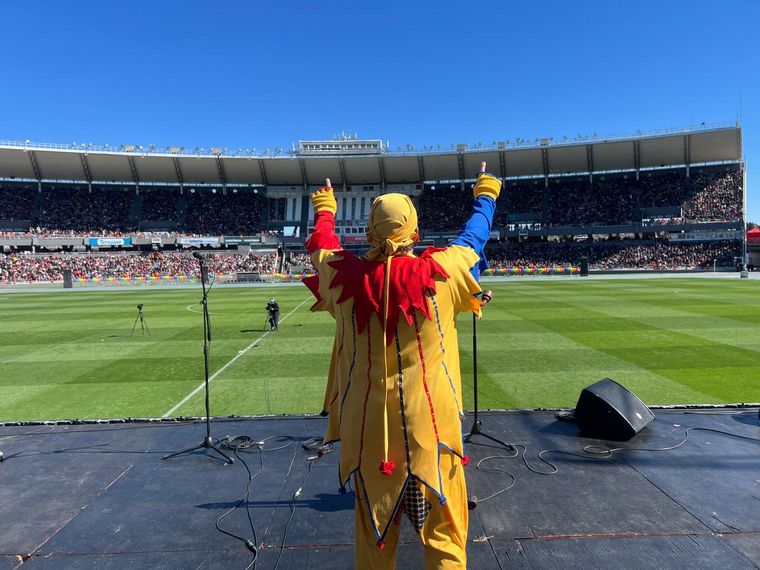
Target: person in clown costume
x: 394, y: 398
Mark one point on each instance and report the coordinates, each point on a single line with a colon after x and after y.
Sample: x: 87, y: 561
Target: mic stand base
x: 207, y: 443
x: 477, y: 429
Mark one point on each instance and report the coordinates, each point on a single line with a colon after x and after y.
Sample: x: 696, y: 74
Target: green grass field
x: 69, y: 354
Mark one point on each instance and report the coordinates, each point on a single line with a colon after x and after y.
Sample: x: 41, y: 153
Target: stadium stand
x: 76, y: 210
x: 16, y: 202
x: 159, y: 205
x: 38, y: 268
x: 639, y: 203
x: 617, y: 255
x: 210, y: 212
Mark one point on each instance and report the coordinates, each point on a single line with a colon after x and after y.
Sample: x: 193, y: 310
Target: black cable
x: 236, y: 444
x: 246, y: 444
x: 589, y: 452
x: 293, y: 500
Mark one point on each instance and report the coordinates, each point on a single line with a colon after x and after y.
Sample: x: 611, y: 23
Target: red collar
x: 412, y: 280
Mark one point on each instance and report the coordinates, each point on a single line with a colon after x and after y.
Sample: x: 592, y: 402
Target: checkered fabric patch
x: 416, y: 506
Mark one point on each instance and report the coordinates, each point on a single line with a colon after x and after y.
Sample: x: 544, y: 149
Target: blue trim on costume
x: 401, y: 402
x: 353, y: 362
x: 447, y: 448
x: 395, y: 507
x: 369, y: 508
x: 475, y: 231
x: 441, y: 498
x: 443, y: 357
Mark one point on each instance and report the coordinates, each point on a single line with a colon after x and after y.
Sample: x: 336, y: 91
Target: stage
x: 99, y: 496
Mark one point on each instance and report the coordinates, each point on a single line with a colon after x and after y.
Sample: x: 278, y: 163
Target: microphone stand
x: 477, y: 425
x: 208, y: 442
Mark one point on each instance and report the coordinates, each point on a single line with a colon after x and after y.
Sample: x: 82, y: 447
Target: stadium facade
x: 574, y: 191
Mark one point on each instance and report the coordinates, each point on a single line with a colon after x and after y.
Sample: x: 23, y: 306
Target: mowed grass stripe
x: 149, y: 361
x: 565, y: 371
x: 717, y: 370
x: 66, y: 354
x: 212, y: 377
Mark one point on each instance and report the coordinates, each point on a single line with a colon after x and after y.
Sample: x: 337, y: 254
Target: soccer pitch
x: 69, y: 354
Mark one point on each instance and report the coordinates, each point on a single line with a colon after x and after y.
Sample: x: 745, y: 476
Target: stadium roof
x: 32, y: 161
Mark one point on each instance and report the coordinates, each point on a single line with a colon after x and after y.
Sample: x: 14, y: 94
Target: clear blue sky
x: 265, y: 74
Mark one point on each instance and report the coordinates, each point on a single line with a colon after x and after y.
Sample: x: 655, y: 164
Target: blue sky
x: 266, y: 74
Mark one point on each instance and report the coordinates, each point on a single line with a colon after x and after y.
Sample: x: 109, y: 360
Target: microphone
x: 199, y: 255
x: 486, y: 298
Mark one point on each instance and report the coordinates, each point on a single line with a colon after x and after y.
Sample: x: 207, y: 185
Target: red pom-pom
x: 387, y: 467
x: 380, y: 544
x: 465, y: 460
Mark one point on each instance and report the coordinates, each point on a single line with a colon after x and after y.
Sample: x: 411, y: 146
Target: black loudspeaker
x: 606, y: 410
x: 584, y: 266
x: 67, y: 284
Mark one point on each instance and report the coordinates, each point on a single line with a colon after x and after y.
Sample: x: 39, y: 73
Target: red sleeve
x: 324, y: 233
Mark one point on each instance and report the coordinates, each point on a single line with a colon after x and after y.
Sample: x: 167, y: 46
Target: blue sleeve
x: 474, y: 233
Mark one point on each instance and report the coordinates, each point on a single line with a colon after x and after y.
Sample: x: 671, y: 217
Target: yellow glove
x: 487, y: 185
x: 323, y: 199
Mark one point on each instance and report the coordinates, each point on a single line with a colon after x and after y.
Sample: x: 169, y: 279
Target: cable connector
x: 250, y: 546
x: 297, y: 493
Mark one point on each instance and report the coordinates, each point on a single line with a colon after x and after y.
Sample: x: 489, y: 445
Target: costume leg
x: 444, y: 534
x: 367, y: 555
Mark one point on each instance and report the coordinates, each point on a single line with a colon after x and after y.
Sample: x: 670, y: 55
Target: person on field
x: 273, y: 312
x: 394, y: 389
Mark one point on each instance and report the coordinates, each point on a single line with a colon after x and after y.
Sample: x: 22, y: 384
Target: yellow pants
x: 443, y: 534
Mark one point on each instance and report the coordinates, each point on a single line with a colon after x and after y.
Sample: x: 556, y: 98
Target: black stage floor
x: 99, y: 496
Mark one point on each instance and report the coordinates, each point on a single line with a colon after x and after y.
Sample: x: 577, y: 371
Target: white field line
x: 184, y: 400
x: 191, y: 308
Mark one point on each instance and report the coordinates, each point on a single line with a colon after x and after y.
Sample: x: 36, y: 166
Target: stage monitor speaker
x: 606, y: 410
x: 67, y: 279
x: 584, y: 266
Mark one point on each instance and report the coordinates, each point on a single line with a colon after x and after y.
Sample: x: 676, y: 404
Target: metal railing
x: 277, y: 152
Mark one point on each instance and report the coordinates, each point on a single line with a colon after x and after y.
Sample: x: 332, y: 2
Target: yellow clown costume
x: 393, y: 397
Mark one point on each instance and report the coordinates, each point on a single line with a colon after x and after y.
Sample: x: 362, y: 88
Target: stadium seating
x: 212, y: 213
x: 617, y: 255
x: 709, y: 194
x: 31, y: 268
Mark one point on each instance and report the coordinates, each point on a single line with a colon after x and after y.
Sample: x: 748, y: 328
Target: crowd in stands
x: 718, y: 197
x: 444, y: 207
x: 617, y: 255
x: 39, y: 268
x: 713, y: 194
x: 159, y: 204
x: 300, y: 262
x: 74, y: 211
x: 708, y: 194
x: 111, y: 211
x: 212, y: 213
x: 16, y: 202
x: 520, y: 198
x: 629, y: 254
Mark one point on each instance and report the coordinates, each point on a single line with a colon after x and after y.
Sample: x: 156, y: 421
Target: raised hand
x: 486, y: 185
x: 323, y: 199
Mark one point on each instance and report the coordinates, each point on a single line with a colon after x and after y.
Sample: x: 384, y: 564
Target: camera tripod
x: 143, y: 325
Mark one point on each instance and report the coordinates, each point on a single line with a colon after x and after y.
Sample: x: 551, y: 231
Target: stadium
x: 664, y: 201
x: 622, y: 257
x: 379, y: 285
